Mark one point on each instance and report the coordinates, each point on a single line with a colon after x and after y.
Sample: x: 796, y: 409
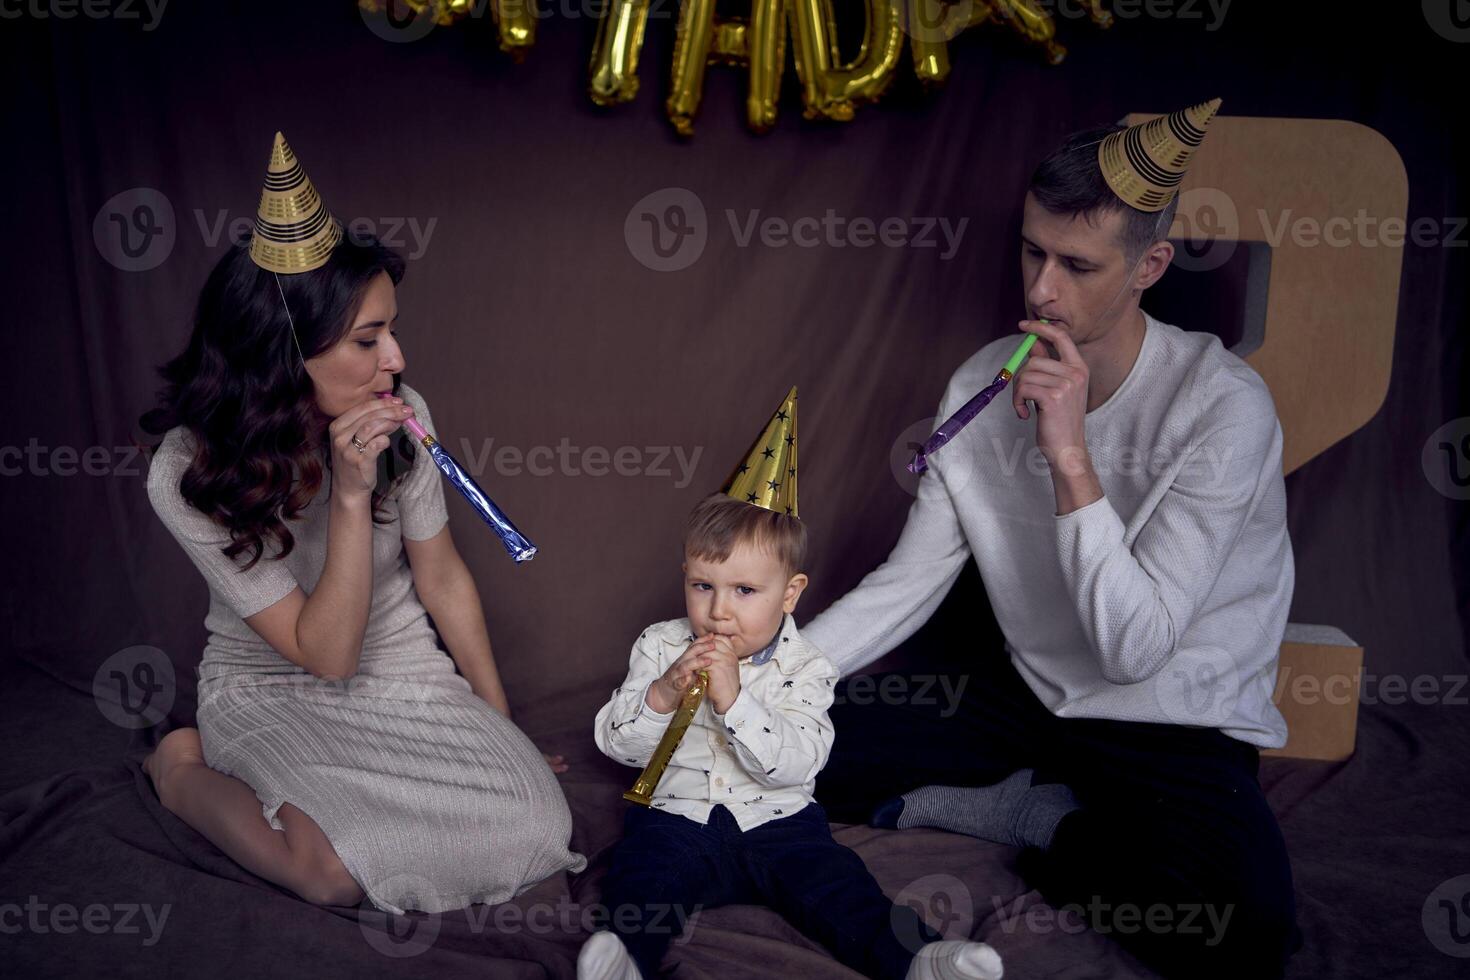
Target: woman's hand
x: 557, y: 763
x: 355, y: 473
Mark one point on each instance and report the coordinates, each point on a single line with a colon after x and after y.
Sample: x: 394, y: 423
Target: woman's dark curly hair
x: 241, y: 389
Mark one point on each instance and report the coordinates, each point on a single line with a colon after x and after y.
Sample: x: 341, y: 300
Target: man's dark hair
x: 1070, y: 182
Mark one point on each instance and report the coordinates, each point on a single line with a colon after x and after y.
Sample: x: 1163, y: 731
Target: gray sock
x: 1010, y: 812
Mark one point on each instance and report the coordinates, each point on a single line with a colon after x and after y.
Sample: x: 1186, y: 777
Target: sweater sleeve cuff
x: 1085, y: 532
x: 1087, y: 511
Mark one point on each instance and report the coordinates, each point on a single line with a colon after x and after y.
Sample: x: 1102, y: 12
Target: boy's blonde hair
x: 718, y: 523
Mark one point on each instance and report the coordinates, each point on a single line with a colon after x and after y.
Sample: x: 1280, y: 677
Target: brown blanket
x: 82, y: 830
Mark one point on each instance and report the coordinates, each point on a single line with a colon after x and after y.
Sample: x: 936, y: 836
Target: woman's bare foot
x: 179, y: 747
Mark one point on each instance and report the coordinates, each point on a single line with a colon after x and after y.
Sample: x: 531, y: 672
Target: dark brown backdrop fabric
x: 527, y: 320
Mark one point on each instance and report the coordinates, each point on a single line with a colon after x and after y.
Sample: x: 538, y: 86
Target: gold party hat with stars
x: 767, y: 477
x: 294, y: 231
x: 1144, y: 164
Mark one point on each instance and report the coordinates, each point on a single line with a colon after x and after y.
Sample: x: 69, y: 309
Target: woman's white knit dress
x: 432, y: 798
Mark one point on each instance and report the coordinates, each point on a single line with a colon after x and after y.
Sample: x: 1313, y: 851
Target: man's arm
x: 1136, y: 602
x: 896, y: 598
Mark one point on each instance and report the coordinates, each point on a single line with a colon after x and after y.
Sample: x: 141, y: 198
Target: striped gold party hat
x: 1144, y: 164
x: 767, y: 476
x: 294, y: 232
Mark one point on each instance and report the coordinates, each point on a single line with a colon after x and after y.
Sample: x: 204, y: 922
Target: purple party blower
x: 971, y: 408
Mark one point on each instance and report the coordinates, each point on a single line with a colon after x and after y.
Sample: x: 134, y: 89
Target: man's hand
x: 1055, y: 377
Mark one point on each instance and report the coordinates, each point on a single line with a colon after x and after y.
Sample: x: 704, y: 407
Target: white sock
x: 604, y: 957
x: 955, y: 960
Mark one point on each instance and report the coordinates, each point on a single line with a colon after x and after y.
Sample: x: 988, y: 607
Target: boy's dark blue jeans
x: 667, y: 866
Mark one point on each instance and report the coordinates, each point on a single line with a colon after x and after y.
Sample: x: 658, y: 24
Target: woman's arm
x: 323, y: 632
x: 448, y: 592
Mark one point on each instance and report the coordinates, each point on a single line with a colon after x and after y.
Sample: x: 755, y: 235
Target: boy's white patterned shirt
x: 760, y: 758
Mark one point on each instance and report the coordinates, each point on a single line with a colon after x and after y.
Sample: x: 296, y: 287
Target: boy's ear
x: 794, y: 589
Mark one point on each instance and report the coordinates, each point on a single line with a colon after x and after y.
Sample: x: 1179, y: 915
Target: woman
x: 338, y: 752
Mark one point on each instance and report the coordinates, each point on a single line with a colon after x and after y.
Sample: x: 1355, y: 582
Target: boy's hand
x: 724, y: 670
x: 665, y: 693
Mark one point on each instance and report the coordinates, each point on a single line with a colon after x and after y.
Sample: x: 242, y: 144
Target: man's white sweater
x: 1164, y: 601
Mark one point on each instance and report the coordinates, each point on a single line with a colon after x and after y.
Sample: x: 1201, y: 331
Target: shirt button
x: 719, y: 780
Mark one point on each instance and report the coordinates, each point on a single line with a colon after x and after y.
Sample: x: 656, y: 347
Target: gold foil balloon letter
x: 831, y: 90
x: 704, y: 39
x: 515, y: 21
x: 613, y: 73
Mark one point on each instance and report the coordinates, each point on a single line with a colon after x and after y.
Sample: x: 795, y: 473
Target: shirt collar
x: 770, y: 649
x: 788, y: 649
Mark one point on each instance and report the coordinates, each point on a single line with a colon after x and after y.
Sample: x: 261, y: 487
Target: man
x: 1127, y: 513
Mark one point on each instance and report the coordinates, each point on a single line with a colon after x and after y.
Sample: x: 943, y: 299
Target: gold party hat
x: 294, y: 232
x: 767, y: 477
x: 1144, y: 164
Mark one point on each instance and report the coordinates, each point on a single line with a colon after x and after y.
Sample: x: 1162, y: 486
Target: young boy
x: 733, y: 819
